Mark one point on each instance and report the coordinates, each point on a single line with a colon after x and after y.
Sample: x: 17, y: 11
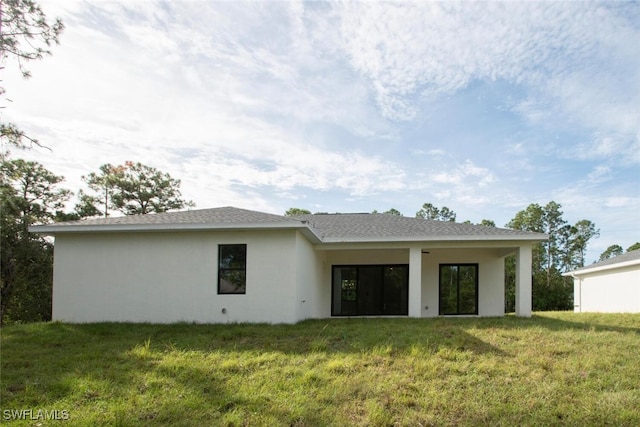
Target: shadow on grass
x: 344, y: 335
x: 330, y: 336
x: 566, y: 321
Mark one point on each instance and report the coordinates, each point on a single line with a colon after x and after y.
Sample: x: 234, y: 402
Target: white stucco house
x: 235, y: 265
x: 609, y: 286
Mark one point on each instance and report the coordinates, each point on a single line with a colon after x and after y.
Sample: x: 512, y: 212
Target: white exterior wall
x: 364, y: 257
x: 172, y: 276
x: 615, y: 290
x: 311, y: 296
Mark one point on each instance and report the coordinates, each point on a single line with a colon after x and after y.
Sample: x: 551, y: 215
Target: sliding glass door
x: 370, y: 290
x: 458, y: 289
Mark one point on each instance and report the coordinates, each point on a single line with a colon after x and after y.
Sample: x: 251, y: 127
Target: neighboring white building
x: 609, y: 286
x: 235, y: 265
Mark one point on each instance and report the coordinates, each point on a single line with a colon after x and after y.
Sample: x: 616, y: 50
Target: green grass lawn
x: 555, y: 368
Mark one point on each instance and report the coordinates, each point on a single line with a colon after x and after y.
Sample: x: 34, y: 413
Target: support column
x: 523, y: 281
x: 415, y: 282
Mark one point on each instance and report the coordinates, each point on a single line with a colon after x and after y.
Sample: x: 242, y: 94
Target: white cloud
x: 455, y: 185
x: 621, y: 201
x: 434, y: 48
x: 467, y: 173
x: 436, y: 152
x: 600, y: 174
x: 614, y: 146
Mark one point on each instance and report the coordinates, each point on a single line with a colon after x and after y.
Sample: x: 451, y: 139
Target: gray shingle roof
x: 225, y: 215
x: 627, y: 256
x: 323, y: 227
x: 370, y: 227
x: 227, y: 218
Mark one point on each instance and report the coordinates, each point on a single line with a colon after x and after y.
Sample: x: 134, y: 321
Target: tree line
x: 564, y: 251
x: 25, y: 263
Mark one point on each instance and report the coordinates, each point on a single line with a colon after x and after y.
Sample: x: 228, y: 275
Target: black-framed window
x: 370, y: 290
x: 458, y: 289
x: 232, y: 269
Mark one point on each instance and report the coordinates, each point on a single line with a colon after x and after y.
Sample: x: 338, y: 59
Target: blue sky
x: 350, y: 107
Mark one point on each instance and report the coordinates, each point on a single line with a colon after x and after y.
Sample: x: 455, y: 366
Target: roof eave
x: 588, y: 270
x: 52, y: 230
x: 514, y: 238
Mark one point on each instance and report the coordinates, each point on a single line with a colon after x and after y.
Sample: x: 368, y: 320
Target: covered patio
x: 425, y: 279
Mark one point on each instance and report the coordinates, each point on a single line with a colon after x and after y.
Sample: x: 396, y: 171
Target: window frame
x: 477, y: 289
x: 222, y: 270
